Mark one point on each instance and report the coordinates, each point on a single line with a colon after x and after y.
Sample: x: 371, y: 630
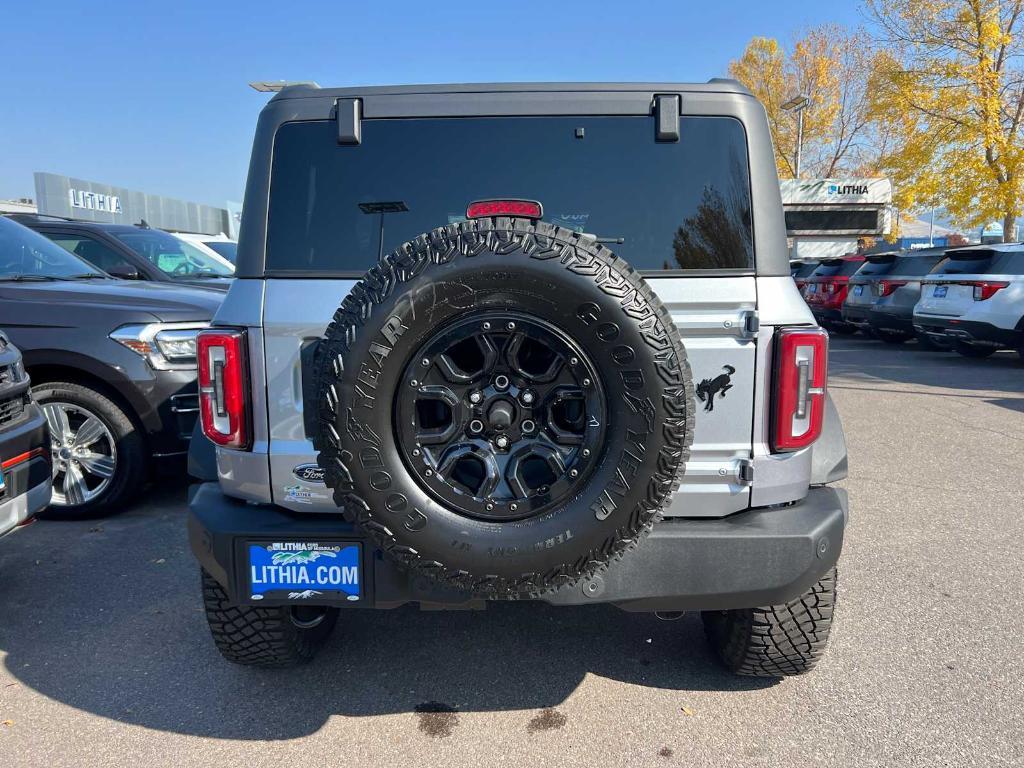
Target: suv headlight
x: 166, y: 346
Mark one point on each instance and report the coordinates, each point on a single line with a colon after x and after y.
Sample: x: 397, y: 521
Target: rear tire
x: 116, y: 448
x: 264, y: 637
x: 777, y: 640
x: 972, y: 351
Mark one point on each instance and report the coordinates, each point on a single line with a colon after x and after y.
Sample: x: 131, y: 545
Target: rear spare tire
x: 504, y: 406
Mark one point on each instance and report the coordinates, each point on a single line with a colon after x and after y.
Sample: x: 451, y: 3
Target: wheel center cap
x: 64, y: 453
x: 500, y: 415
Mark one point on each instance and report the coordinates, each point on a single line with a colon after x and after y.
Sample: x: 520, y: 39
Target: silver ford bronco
x: 516, y: 342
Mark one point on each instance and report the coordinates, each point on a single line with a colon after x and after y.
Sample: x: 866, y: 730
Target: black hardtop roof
x: 308, y: 91
x: 61, y: 221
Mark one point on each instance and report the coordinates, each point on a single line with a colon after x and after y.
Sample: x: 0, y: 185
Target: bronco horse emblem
x: 719, y: 385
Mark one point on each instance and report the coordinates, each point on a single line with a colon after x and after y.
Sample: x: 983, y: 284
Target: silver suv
x: 499, y: 342
x: 975, y: 299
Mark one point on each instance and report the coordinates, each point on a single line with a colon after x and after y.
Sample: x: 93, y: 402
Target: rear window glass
x: 838, y: 268
x: 964, y: 263
x: 805, y: 270
x: 831, y: 221
x: 1007, y: 263
x: 678, y: 205
x: 915, y: 266
x: 877, y: 267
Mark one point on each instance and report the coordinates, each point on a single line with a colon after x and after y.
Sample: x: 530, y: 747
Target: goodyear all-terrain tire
x: 777, y: 640
x: 265, y: 637
x: 504, y: 406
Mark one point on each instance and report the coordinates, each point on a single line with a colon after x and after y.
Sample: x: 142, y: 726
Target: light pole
x: 798, y: 104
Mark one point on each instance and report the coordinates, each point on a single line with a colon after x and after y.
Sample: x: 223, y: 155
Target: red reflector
x: 986, y: 289
x: 886, y: 287
x: 21, y: 458
x: 801, y: 374
x: 481, y: 209
x: 224, y: 388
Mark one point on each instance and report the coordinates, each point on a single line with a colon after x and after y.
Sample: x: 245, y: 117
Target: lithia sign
x: 94, y: 201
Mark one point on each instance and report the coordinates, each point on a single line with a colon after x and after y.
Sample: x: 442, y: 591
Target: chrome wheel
x: 84, y: 454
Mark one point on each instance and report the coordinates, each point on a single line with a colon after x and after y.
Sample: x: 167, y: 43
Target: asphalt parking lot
x: 105, y: 657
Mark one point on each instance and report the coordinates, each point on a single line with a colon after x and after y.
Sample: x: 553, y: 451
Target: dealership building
x: 92, y: 201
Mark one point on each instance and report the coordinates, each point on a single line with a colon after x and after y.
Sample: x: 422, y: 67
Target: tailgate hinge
x: 350, y: 119
x: 750, y: 325
x: 666, y: 117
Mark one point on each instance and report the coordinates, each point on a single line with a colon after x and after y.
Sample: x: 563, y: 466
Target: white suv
x: 219, y: 247
x: 975, y: 298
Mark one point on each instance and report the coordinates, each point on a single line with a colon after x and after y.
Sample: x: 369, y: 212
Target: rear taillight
x: 801, y: 371
x: 224, y: 388
x: 986, y: 290
x: 886, y: 287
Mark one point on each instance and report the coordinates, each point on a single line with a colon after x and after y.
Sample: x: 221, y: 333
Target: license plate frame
x: 320, y: 571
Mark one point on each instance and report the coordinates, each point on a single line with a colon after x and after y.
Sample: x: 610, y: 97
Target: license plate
x: 812, y: 289
x: 858, y: 290
x: 296, y: 571
x: 940, y: 291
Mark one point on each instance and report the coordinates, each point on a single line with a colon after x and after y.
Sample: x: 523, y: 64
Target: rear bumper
x: 891, y: 321
x: 825, y: 316
x: 753, y: 558
x: 856, y: 315
x: 971, y: 331
x: 26, y: 483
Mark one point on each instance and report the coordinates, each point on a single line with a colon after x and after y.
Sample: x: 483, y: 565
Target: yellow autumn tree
x: 950, y: 90
x: 830, y: 66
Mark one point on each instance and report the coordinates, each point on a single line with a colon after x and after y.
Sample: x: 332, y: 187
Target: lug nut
x: 513, y: 506
x: 527, y: 397
x: 528, y: 426
x: 501, y: 441
x: 573, y: 472
x: 414, y: 383
x: 511, y: 326
x: 475, y: 397
x: 429, y: 472
x: 476, y: 426
x: 586, y: 382
x: 573, y: 361
x: 490, y: 507
x: 586, y: 452
x: 487, y: 326
x: 501, y: 381
x: 424, y: 362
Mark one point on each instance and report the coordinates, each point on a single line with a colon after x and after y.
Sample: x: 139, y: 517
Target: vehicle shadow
x: 859, y: 361
x: 105, y: 617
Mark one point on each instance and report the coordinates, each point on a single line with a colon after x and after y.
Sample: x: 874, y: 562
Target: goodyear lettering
x: 393, y: 329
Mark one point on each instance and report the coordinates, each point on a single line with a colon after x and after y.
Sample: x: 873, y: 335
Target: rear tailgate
x: 942, y: 298
x: 714, y: 317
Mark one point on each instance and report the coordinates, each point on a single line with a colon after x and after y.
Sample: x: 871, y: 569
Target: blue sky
x: 153, y: 96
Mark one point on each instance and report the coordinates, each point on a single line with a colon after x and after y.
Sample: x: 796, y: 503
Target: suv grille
x: 11, y: 409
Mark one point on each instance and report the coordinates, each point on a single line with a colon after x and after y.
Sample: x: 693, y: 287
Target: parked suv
x: 975, y: 298
x: 24, y: 445
x: 826, y: 290
x: 133, y: 252
x: 112, y: 362
x: 502, y: 408
x: 891, y: 316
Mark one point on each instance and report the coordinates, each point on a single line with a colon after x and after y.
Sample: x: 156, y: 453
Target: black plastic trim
x: 757, y: 557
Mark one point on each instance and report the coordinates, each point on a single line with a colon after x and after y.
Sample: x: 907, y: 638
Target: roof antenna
x: 143, y: 224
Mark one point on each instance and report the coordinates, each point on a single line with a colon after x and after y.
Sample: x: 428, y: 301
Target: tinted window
x: 831, y: 221
x: 170, y: 255
x: 680, y: 205
x: 806, y: 270
x: 92, y: 250
x: 224, y: 248
x: 875, y: 267
x: 838, y: 268
x: 973, y: 262
x: 27, y: 254
x: 1008, y: 263
x: 915, y: 266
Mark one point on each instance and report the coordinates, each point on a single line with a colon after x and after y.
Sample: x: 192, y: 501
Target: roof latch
x: 666, y: 117
x: 350, y: 118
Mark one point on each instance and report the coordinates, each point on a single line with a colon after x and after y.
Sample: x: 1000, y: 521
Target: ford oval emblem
x: 309, y: 473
